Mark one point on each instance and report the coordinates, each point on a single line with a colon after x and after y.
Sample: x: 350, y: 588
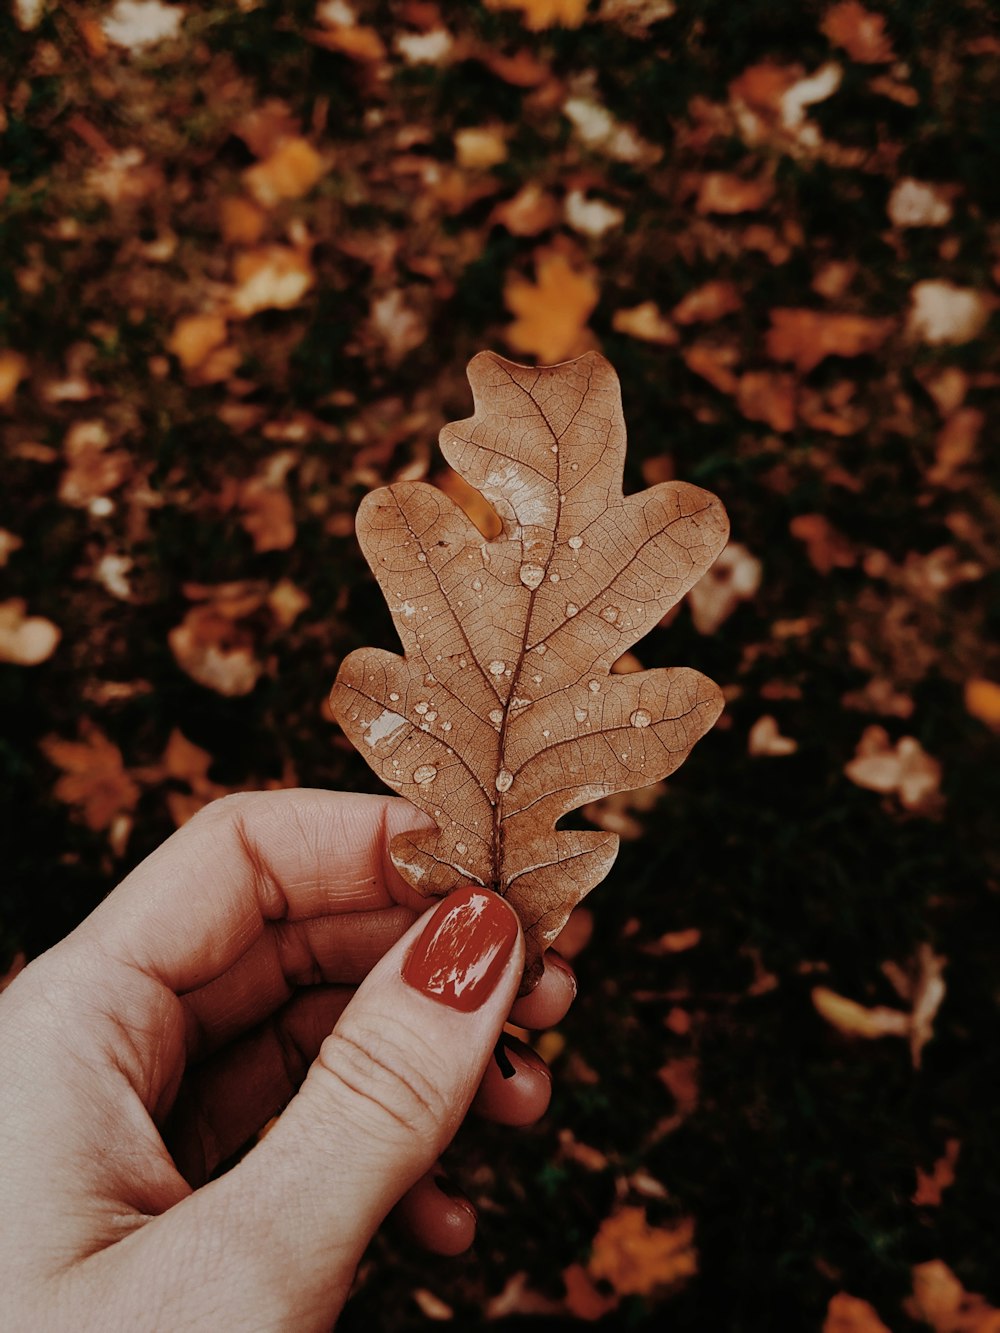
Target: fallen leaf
x: 432, y: 1306
x: 536, y: 15
x: 856, y: 1020
x: 704, y: 305
x: 582, y: 1299
x: 806, y: 337
x: 932, y: 1184
x: 341, y: 32
x: 713, y: 362
x: 25, y: 640
x: 766, y: 739
x: 859, y: 32
x: 241, y: 221
x: 479, y: 147
x: 723, y: 192
x: 9, y: 543
x: 287, y: 601
x: 591, y: 217
x: 288, y: 172
x: 940, y: 1300
x: 734, y: 578
x: 637, y: 1258
x: 826, y: 548
x: 982, y: 701
x: 905, y: 768
x: 13, y: 369
x: 646, y: 322
x: 941, y: 313
x: 199, y: 343
x: 93, y: 468
x: 636, y: 16
x: 764, y: 395
x: 850, y: 1314
x: 399, y: 328
x: 914, y: 203
x: 140, y: 24
x: 955, y: 445
x: 506, y: 686
x: 271, y: 277
x: 553, y: 311
x: 94, y: 776
x: 267, y: 514
x: 617, y: 813
x: 921, y: 985
x: 213, y: 648
x: 680, y: 1078
x: 530, y: 211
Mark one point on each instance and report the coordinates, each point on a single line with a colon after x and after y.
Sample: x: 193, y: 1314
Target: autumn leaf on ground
x: 904, y: 768
x: 940, y: 1300
x: 861, y: 33
x: 504, y: 714
x: 94, y: 777
x: 982, y: 700
x: 212, y: 645
x: 932, y: 1184
x: 734, y: 578
x: 540, y: 14
x: 806, y: 337
x: 850, y: 1314
x: 637, y: 1258
x: 13, y: 368
x: 552, y: 313
x: 25, y: 640
x: 942, y: 313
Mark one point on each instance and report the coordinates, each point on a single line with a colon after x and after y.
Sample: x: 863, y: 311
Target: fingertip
x: 549, y: 1002
x: 516, y: 1088
x: 437, y: 1215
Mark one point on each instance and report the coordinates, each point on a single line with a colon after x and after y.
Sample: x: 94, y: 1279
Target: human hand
x: 186, y: 1010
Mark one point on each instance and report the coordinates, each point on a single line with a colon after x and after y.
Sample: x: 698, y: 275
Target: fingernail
x: 463, y: 949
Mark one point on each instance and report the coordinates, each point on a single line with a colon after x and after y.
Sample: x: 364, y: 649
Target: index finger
x: 196, y: 905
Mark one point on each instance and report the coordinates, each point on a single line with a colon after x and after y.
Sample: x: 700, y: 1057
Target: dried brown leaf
x: 504, y: 715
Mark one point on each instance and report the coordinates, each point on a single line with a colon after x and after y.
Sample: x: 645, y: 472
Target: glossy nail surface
x: 462, y: 951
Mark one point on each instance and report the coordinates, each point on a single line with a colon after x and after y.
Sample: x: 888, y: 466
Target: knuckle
x: 390, y: 1081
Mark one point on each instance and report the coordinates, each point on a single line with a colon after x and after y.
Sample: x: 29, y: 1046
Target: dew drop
x: 422, y: 558
x: 571, y: 608
x: 531, y: 575
x: 461, y: 848
x: 421, y: 707
x: 424, y: 774
x: 496, y: 716
x: 574, y: 467
x: 446, y: 726
x: 541, y: 649
x: 611, y: 614
x: 429, y: 678
x: 640, y: 718
x: 497, y: 668
x: 546, y: 734
x: 594, y: 686
x: 575, y: 543
x: 537, y: 679
x: 431, y: 716
x: 553, y: 578
x: 393, y: 696
x: 580, y: 714
x: 463, y: 662
x: 504, y: 779
x: 477, y: 585
x: 554, y: 449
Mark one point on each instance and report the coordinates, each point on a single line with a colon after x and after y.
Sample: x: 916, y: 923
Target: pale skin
x: 252, y: 963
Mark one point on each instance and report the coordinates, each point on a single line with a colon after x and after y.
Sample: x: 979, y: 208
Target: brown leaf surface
x: 503, y: 715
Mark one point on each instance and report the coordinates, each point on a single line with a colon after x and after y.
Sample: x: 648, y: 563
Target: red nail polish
x: 463, y: 949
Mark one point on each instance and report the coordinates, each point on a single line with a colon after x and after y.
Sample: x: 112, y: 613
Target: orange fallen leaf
x: 477, y: 148
x: 287, y: 601
x: 241, y: 221
x: 713, y: 362
x: 93, y: 468
x: 13, y: 369
x: 768, y: 396
x: 553, y: 311
x: 857, y: 1020
x: 859, y: 32
x: 955, y: 445
x: 271, y: 277
x: 530, y: 211
x: 680, y: 1077
x: 734, y: 578
x: 806, y: 337
x: 290, y: 171
x: 536, y: 15
x: 905, y: 768
x: 940, y: 1300
x: 9, y: 543
x: 850, y: 1314
x: 982, y: 700
x: 826, y: 548
x: 25, y: 640
x: 94, y: 776
x: 214, y: 649
x: 267, y: 514
x: 197, y: 341
x: 723, y: 192
x: 713, y: 300
x: 766, y: 739
x: 645, y: 322
x: 582, y: 1299
x: 354, y: 40
x: 637, y: 1258
x: 932, y: 1184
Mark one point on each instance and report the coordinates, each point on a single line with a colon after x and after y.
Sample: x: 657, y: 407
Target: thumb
x: 383, y: 1098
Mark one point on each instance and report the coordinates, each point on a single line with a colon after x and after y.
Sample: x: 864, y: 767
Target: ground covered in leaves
x: 248, y: 251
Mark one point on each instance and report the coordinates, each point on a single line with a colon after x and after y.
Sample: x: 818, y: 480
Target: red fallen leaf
x: 583, y: 1300
x: 940, y: 1300
x: 806, y: 337
x: 859, y: 32
x: 850, y: 1314
x: 680, y: 1077
x: 637, y: 1258
x: 94, y: 778
x: 932, y: 1184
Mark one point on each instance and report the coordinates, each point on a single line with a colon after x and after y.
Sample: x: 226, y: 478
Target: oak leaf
x: 504, y: 715
x: 552, y: 313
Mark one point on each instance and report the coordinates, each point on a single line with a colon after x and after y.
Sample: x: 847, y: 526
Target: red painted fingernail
x: 463, y: 949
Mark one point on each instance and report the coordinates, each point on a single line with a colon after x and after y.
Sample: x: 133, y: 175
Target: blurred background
x: 247, y: 251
